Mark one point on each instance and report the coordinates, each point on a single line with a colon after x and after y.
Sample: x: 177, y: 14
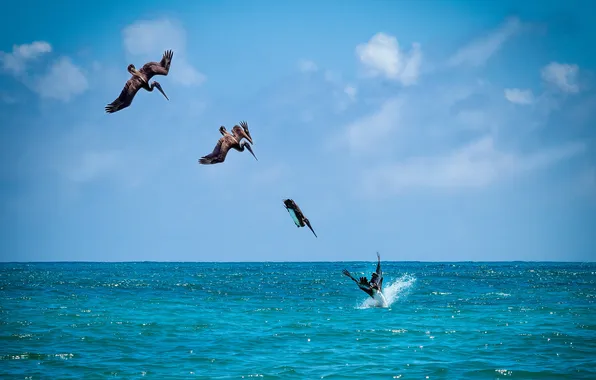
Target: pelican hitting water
x: 140, y: 79
x: 299, y: 219
x: 375, y: 285
x: 229, y: 141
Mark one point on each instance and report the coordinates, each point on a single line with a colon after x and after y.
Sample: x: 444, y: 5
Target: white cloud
x: 561, y: 75
x: 411, y: 141
x: 366, y: 133
x: 480, y: 50
x: 63, y: 81
x: 344, y: 97
x: 413, y: 120
x: 381, y: 55
x: 515, y: 95
x: 307, y: 66
x: 351, y: 92
x: 149, y: 39
x: 16, y: 62
x: 475, y: 165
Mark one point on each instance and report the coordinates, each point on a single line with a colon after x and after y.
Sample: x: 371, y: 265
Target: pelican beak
x: 158, y: 86
x: 248, y: 137
x: 251, y: 152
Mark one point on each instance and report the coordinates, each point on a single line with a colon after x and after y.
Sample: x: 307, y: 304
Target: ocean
x: 297, y: 321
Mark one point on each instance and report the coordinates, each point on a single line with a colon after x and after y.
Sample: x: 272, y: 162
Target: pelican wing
x: 362, y: 283
x: 219, y: 152
x: 365, y: 287
x: 295, y: 212
x: 294, y: 217
x: 347, y: 273
x: 154, y: 68
x: 299, y: 214
x: 131, y: 87
x: 379, y: 271
x: 209, y: 158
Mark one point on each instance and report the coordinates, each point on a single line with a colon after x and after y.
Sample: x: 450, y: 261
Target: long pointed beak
x: 251, y: 152
x: 163, y: 93
x: 313, y: 231
x: 249, y: 138
x: 309, y: 226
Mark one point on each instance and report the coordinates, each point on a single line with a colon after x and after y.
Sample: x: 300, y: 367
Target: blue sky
x: 431, y: 131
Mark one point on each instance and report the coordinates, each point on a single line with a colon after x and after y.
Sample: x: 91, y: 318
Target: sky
x: 424, y: 130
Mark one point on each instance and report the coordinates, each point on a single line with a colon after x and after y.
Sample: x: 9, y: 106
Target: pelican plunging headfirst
x: 297, y: 216
x: 229, y: 141
x: 140, y: 79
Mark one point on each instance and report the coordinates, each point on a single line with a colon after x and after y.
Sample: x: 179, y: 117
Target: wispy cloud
x: 332, y: 76
x: 299, y: 92
x: 381, y: 56
x: 351, y: 91
x: 148, y: 39
x: 562, y: 76
x: 307, y: 66
x: 83, y: 156
x: 464, y: 138
x: 62, y: 80
x: 481, y: 49
x: 475, y: 165
x: 16, y: 61
x: 92, y: 165
x: 474, y: 118
x: 366, y: 134
x: 8, y: 99
x: 515, y: 95
x: 582, y: 112
x: 124, y: 168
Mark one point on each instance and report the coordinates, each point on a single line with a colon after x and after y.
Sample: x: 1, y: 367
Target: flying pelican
x: 140, y: 79
x: 299, y: 219
x: 229, y: 141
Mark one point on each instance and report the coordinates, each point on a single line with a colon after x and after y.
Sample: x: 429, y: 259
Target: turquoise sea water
x: 297, y: 320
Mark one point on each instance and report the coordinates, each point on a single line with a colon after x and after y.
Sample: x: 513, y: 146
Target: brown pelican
x: 375, y: 284
x: 140, y: 79
x: 229, y: 141
x: 299, y: 219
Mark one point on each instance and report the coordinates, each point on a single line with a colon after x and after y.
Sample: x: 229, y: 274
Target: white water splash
x: 391, y: 293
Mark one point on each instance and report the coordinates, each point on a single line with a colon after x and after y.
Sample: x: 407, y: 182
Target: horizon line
x: 298, y: 262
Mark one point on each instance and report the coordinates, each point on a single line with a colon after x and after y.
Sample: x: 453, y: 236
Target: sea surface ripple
x: 297, y: 320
